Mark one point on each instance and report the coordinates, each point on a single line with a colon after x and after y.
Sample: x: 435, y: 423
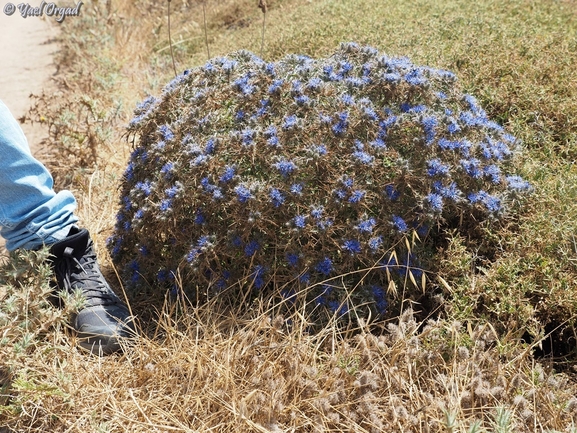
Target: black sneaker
x: 104, y: 318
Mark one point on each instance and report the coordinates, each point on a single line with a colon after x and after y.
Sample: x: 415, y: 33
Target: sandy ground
x: 26, y: 65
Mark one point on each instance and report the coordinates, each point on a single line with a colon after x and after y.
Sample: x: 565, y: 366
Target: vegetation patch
x: 333, y: 178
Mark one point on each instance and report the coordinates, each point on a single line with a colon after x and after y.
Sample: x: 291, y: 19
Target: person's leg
x: 31, y: 213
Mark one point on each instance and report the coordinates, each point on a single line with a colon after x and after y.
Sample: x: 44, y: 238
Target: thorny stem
x: 262, y: 6
x: 170, y: 41
x: 205, y: 28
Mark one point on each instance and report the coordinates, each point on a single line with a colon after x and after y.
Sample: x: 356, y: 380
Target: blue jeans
x: 31, y: 213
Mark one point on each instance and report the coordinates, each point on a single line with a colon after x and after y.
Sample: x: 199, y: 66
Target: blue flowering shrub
x: 318, y: 179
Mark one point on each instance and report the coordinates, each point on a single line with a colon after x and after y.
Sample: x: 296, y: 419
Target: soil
x: 27, y: 46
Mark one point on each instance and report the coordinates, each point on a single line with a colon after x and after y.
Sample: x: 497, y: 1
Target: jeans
x: 31, y: 213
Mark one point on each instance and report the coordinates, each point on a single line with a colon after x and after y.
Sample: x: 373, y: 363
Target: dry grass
x: 202, y: 371
x: 212, y: 369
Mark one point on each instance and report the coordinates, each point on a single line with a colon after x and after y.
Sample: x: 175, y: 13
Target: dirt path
x: 26, y: 65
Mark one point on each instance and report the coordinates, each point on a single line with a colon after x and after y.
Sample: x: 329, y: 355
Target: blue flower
x: 314, y: 83
x: 493, y: 172
x: 166, y: 133
x: 324, y: 224
x: 248, y: 137
x: 129, y: 173
x: 436, y: 202
x: 430, y: 126
x: 242, y: 84
x: 370, y: 113
x: 392, y: 192
x: 422, y: 230
x: 380, y: 297
x: 448, y: 144
x: 203, y: 241
x: 378, y: 144
x: 251, y: 248
x: 127, y: 203
x: 518, y: 183
x: 474, y: 105
x: 258, y: 274
x: 297, y: 188
x: 206, y: 185
x: 392, y: 77
x: 347, y: 181
x: 292, y: 259
x: 352, y: 246
x: 492, y: 203
x: 228, y: 174
x: 271, y: 131
x: 138, y: 214
x: 317, y: 212
x: 399, y: 224
x: 319, y: 150
x: 475, y: 197
x: 193, y: 255
x: 273, y: 141
x: 217, y: 194
x: 375, y: 243
x: 285, y: 167
x: 340, y: 193
x: 342, y: 124
x: 165, y: 205
x: 325, y: 266
x: 354, y: 82
x: 275, y: 86
x: 302, y: 100
x: 471, y: 167
x: 239, y: 116
x: 143, y: 250
x: 199, y: 160
x: 337, y: 307
x: 453, y: 127
x: 414, y: 78
x: 172, y: 191
x: 367, y: 225
x: 389, y: 263
x: 356, y: 196
x: 243, y: 193
x: 289, y: 122
x: 297, y: 88
x: 451, y: 192
x: 264, y: 104
x: 167, y: 169
x: 305, y: 278
x: 276, y: 197
x: 210, y: 146
x: 199, y: 218
x: 299, y: 221
x: 363, y: 157
x: 145, y: 187
x: 436, y: 168
x: 347, y: 99
x: 324, y: 119
x: 270, y: 69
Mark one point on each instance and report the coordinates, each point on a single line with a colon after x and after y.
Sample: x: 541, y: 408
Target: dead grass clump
x: 263, y: 372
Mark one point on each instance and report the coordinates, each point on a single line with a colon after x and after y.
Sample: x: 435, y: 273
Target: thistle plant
x: 320, y: 179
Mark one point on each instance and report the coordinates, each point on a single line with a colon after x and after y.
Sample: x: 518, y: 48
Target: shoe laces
x: 85, y: 275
